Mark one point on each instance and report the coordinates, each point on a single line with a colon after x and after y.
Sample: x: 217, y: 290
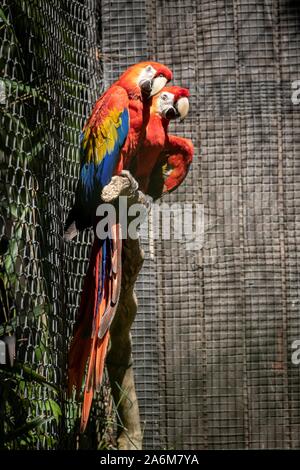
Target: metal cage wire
x: 212, y: 339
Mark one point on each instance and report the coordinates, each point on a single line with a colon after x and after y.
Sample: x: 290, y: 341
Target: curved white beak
x: 183, y: 107
x: 158, y: 83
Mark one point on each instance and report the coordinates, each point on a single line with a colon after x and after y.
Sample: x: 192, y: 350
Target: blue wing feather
x: 95, y: 176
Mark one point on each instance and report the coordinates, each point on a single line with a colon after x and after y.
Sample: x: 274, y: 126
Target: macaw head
x: 149, y: 77
x: 172, y: 103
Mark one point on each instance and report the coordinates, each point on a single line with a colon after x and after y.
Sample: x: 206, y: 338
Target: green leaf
x: 16, y: 121
x: 12, y: 324
x: 19, y: 372
x: 27, y: 427
x: 53, y: 408
x: 31, y: 375
x: 8, y: 25
x: 13, y: 208
x: 36, y: 149
x: 3, y: 17
x: 15, y: 86
x: 11, y: 257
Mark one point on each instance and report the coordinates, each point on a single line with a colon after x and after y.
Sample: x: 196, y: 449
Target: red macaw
x: 111, y: 136
x: 163, y: 160
x: 109, y: 140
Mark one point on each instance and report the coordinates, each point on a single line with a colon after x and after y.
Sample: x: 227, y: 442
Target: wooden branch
x: 119, y: 358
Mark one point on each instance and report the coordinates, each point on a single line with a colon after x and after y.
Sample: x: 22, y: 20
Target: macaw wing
x: 102, y: 138
x: 172, y: 167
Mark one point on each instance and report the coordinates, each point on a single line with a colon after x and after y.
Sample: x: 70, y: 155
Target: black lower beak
x: 146, y: 86
x: 171, y: 113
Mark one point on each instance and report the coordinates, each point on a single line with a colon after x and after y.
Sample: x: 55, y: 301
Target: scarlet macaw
x: 111, y: 136
x: 109, y: 140
x: 163, y: 160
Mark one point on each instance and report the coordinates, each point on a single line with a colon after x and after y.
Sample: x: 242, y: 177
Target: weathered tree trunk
x: 119, y: 358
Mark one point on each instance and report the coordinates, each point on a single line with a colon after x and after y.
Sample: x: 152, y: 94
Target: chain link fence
x: 51, y: 74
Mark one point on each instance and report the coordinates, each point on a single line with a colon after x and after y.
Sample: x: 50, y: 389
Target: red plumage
x: 103, y: 140
x: 163, y: 160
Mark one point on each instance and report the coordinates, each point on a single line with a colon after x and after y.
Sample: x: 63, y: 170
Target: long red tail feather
x: 98, y: 305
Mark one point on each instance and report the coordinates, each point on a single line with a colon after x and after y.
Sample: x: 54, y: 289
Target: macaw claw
x: 134, y: 184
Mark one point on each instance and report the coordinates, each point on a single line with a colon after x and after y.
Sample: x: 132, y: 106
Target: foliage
x: 29, y: 401
x: 22, y: 420
x: 42, y: 79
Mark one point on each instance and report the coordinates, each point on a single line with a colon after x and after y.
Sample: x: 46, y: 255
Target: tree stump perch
x: 119, y: 357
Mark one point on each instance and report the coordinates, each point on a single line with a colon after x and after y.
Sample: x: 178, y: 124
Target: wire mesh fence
x: 51, y: 76
x: 213, y: 336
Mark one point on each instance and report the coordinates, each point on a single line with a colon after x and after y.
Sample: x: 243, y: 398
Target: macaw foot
x: 125, y: 185
x: 120, y: 185
x: 133, y: 183
x: 142, y: 198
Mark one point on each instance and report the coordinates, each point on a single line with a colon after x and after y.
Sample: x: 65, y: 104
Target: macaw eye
x: 161, y: 75
x: 164, y: 97
x: 149, y: 68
